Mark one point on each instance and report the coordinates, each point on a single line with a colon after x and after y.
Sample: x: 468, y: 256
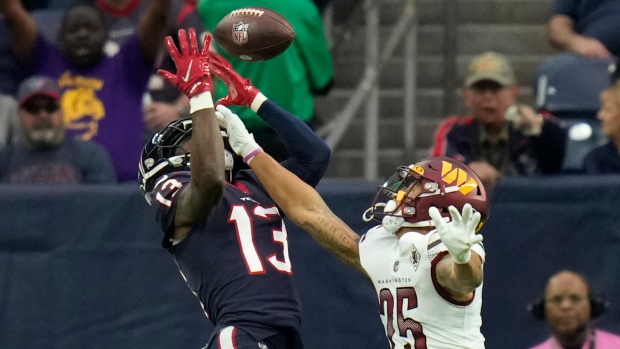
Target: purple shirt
x: 603, y: 340
x: 104, y: 103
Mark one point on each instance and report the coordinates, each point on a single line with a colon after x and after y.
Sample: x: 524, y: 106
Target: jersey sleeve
x: 165, y: 194
x: 309, y: 154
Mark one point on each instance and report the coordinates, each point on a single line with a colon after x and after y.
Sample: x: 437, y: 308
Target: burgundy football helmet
x: 444, y: 182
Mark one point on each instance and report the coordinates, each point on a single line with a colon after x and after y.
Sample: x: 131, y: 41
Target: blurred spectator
x: 587, y: 27
x: 10, y: 72
x: 162, y: 102
x: 9, y: 121
x: 606, y: 158
x: 45, y: 154
x: 291, y: 79
x: 569, y: 307
x: 102, y: 97
x: 500, y: 137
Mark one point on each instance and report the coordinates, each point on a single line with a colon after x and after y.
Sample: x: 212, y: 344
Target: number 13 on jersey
x: 245, y: 233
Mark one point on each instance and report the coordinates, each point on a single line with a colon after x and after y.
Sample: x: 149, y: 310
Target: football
x: 254, y: 34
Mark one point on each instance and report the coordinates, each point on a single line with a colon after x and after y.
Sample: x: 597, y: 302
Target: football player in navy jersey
x: 425, y: 260
x: 226, y: 234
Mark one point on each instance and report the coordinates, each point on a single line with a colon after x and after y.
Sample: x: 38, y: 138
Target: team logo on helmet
x: 240, y: 33
x: 450, y: 175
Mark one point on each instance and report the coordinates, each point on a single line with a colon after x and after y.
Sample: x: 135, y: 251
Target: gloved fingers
x: 193, y: 42
x: 473, y: 221
x: 476, y: 239
x: 171, y: 78
x: 433, y: 212
x: 467, y: 212
x: 221, y: 120
x: 206, y: 44
x: 172, y: 49
x: 225, y: 101
x: 219, y: 60
x: 456, y: 215
x: 183, y: 43
x: 225, y: 111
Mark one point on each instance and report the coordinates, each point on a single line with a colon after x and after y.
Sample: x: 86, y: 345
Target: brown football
x: 254, y: 34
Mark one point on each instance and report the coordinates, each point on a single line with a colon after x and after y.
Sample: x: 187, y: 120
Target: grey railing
x: 367, y: 90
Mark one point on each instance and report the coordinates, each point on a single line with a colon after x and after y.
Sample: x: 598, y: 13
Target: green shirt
x: 290, y: 78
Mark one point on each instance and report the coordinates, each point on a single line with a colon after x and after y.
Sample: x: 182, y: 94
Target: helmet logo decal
x: 450, y: 175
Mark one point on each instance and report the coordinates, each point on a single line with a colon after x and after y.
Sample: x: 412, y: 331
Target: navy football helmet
x: 444, y: 182
x: 164, y: 153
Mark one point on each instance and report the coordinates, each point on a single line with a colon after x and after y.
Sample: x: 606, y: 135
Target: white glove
x: 459, y: 235
x: 241, y: 141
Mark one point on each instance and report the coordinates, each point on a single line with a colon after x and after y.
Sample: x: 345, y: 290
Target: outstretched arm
x: 305, y: 207
x: 309, y: 154
x: 22, y: 28
x: 207, y: 182
x: 299, y: 201
x: 152, y: 28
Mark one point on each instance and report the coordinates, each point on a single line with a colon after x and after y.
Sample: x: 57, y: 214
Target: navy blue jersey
x: 236, y: 260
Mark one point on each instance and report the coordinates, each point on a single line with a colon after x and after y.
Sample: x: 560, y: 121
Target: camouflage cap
x: 490, y: 66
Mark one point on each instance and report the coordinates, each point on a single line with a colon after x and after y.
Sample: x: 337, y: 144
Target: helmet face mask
x: 168, y: 151
x: 439, y: 181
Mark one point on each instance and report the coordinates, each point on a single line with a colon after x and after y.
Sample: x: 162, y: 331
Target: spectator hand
x: 488, y: 174
x: 524, y: 118
x: 240, y: 90
x: 459, y: 235
x: 193, y: 76
x: 588, y: 47
x: 241, y: 141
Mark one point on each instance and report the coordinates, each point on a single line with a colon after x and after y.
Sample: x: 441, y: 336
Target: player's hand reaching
x: 241, y: 141
x: 459, y: 235
x: 241, y: 92
x: 193, y: 76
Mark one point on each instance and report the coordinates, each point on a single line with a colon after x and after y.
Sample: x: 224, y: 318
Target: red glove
x: 193, y: 76
x: 240, y: 90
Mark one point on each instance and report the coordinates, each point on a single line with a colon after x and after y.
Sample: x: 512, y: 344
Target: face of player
x: 82, y: 36
x: 567, y: 306
x: 489, y: 100
x: 42, y: 121
x: 609, y: 114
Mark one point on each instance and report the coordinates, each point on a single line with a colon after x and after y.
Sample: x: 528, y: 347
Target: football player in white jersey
x: 425, y: 260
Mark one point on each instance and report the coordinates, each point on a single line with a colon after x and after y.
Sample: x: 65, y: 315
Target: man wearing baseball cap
x: 44, y: 154
x: 499, y: 137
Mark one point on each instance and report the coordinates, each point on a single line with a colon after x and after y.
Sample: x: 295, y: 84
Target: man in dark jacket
x: 500, y: 137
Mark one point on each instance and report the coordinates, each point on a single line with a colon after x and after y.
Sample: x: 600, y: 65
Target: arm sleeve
x: 550, y: 147
x: 309, y: 154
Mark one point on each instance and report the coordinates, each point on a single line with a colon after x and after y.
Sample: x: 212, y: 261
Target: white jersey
x: 415, y: 311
